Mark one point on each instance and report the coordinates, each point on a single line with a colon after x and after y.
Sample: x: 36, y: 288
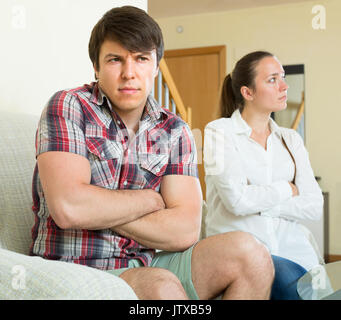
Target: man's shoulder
x: 69, y: 104
x: 85, y: 90
x: 70, y: 101
x: 172, y: 121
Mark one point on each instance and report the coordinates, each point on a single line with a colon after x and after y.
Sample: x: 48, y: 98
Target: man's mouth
x: 128, y: 90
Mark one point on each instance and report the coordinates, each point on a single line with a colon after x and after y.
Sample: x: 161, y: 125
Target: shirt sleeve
x: 183, y: 154
x: 308, y: 205
x: 223, y: 169
x: 61, y: 126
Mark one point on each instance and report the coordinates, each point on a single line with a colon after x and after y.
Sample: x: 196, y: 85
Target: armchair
x: 23, y: 276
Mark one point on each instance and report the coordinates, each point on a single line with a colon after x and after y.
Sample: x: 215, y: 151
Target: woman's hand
x: 294, y: 189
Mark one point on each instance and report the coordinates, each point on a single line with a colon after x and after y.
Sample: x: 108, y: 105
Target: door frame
x: 220, y: 50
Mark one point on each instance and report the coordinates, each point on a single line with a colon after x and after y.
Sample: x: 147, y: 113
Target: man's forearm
x: 167, y: 229
x: 176, y: 227
x: 98, y: 208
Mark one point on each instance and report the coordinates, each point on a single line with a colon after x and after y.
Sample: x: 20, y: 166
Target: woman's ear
x: 247, y: 93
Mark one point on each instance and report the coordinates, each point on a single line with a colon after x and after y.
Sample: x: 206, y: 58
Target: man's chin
x: 128, y: 106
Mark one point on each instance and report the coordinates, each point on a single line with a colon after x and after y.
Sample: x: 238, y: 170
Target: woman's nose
x: 283, y: 85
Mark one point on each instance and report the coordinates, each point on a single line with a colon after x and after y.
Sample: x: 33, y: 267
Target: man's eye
x: 272, y: 80
x: 142, y: 58
x: 114, y: 59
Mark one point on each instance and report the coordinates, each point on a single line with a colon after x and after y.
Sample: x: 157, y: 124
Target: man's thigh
x: 134, y: 263
x: 152, y: 282
x: 179, y: 263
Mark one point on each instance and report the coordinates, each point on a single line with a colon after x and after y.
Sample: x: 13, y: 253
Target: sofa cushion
x: 17, y: 160
x: 25, y: 277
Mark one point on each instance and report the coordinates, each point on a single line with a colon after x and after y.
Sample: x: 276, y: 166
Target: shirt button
x: 118, y: 122
x: 125, y: 183
x: 157, y: 170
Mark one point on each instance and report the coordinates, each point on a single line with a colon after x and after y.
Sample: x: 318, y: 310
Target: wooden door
x: 198, y: 74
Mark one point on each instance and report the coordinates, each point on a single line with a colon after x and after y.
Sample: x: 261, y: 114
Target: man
x: 116, y: 178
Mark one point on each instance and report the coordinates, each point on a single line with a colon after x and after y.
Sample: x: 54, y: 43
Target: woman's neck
x: 258, y: 121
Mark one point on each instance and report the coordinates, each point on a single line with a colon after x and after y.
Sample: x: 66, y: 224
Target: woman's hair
x: 132, y: 27
x: 243, y: 74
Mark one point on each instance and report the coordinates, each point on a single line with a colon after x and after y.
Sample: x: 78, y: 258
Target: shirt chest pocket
x: 153, y: 167
x: 105, y: 158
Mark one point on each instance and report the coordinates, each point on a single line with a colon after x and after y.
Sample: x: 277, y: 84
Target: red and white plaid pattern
x: 82, y: 121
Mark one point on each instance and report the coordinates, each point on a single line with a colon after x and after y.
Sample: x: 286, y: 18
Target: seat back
x: 17, y: 161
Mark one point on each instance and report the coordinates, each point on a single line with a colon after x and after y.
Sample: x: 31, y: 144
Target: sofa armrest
x: 25, y: 277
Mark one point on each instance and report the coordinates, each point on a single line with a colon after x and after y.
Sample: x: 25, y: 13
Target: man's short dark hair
x: 132, y: 27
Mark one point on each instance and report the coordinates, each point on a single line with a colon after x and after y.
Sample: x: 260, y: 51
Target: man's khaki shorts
x: 177, y: 262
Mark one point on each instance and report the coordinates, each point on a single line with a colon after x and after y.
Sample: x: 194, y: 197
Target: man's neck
x: 130, y: 119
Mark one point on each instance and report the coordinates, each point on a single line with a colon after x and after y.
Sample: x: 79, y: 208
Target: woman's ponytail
x: 227, y: 99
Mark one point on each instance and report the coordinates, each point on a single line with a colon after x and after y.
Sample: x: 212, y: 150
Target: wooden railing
x: 167, y: 95
x: 299, y: 114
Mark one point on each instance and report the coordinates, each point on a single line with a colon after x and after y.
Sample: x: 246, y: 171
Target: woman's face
x: 270, y: 91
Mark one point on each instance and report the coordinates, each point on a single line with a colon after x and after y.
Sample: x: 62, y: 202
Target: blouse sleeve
x: 223, y: 169
x: 308, y: 205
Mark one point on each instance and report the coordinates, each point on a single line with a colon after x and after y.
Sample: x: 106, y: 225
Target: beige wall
x: 287, y: 31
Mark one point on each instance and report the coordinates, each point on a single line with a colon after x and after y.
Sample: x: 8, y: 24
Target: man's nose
x: 128, y: 69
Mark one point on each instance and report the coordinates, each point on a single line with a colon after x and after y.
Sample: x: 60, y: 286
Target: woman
x: 258, y: 175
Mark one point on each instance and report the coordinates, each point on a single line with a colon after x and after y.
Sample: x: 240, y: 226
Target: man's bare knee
x: 254, y: 256
x: 154, y: 284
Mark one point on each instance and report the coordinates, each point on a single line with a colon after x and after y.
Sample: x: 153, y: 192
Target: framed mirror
x: 294, y: 115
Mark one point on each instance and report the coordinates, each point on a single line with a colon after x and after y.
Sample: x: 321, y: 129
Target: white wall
x: 44, y: 48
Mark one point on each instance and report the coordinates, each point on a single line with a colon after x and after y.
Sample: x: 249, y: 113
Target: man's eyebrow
x: 143, y: 53
x: 111, y: 55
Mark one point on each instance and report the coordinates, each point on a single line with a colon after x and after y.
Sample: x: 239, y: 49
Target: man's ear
x: 247, y: 93
x: 96, y: 71
x: 156, y: 71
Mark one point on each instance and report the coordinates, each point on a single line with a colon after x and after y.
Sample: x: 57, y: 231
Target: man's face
x: 126, y: 77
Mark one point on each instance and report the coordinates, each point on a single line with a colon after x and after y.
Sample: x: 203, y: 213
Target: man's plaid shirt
x: 82, y: 121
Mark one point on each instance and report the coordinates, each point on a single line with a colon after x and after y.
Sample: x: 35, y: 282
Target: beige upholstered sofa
x: 23, y: 276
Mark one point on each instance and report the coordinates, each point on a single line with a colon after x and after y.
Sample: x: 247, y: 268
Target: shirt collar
x: 241, y: 126
x: 97, y: 94
x: 152, y: 109
x: 275, y: 128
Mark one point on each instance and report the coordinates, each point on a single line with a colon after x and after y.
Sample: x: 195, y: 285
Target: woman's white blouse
x: 247, y: 187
